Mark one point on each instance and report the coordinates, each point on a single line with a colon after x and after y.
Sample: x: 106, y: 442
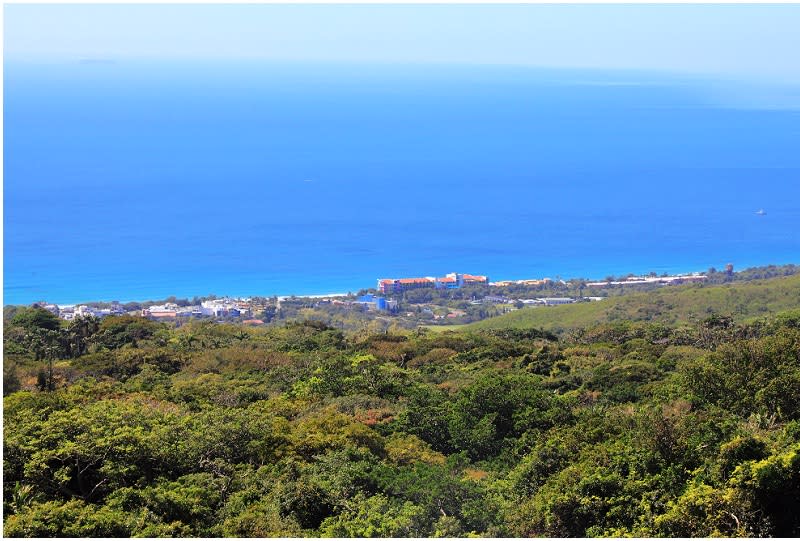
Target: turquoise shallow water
x: 138, y: 181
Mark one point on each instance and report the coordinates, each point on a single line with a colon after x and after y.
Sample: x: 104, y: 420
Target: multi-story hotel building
x: 453, y: 280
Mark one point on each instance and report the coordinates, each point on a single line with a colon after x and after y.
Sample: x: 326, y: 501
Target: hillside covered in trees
x: 684, y: 426
x: 675, y: 305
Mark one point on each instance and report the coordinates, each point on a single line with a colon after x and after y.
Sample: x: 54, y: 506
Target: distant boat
x: 761, y: 212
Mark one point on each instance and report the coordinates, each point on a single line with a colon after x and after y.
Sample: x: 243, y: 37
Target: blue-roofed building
x: 373, y: 302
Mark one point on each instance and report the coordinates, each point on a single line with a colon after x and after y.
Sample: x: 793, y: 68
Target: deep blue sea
x: 137, y: 180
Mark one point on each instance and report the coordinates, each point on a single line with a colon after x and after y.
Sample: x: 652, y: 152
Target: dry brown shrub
x: 449, y: 386
x: 372, y: 417
x: 676, y: 408
x: 395, y: 352
x: 273, y: 359
x: 434, y: 356
x: 474, y: 474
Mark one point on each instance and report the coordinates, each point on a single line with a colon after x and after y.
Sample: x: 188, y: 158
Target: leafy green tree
x: 699, y: 512
x: 375, y: 516
x: 117, y: 331
x: 86, y: 452
x: 80, y: 331
x: 427, y: 415
x: 440, y: 490
x: 35, y: 318
x: 73, y: 518
x: 770, y: 490
x: 494, y: 408
x: 261, y: 517
x: 749, y: 377
x: 192, y: 501
x: 11, y: 382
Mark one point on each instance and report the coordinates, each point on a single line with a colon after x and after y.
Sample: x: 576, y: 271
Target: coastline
x: 284, y: 296
x: 340, y: 290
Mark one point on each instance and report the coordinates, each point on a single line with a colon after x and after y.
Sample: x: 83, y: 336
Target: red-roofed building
x: 450, y: 281
x: 402, y: 284
x: 471, y: 279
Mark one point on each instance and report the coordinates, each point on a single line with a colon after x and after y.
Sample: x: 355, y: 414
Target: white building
x: 83, y: 311
x: 552, y: 301
x: 225, y: 307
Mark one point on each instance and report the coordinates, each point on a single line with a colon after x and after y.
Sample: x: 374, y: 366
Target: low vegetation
x: 680, y: 423
x: 674, y: 305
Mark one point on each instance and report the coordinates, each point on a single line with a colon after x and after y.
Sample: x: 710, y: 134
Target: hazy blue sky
x: 740, y: 40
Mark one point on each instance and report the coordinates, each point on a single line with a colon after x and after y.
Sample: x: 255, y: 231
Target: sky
x: 739, y: 40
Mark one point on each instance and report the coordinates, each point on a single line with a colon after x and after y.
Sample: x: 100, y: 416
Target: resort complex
x: 380, y: 300
x: 453, y: 280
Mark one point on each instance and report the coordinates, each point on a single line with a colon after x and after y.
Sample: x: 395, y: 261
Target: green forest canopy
x: 658, y: 427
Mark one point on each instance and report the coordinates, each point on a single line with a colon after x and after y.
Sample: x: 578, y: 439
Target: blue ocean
x: 136, y: 180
